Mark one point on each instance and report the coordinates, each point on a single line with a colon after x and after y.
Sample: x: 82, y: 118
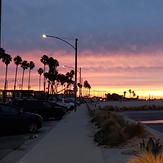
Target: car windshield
x: 47, y: 104
x: 9, y: 109
x: 66, y: 101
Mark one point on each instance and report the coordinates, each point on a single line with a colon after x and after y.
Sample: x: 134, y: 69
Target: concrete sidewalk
x: 68, y: 142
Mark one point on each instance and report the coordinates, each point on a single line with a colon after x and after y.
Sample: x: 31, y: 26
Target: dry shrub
x: 111, y: 132
x: 159, y: 108
x: 146, y: 157
x: 108, y: 123
x: 110, y: 135
x: 119, y: 119
x: 140, y: 108
x: 134, y: 129
x: 100, y: 136
x: 100, y: 117
x: 110, y: 108
x: 114, y: 130
x: 124, y: 108
x: 116, y: 138
x: 145, y: 107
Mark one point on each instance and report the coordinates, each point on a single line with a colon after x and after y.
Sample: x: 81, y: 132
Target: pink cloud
x: 112, y: 72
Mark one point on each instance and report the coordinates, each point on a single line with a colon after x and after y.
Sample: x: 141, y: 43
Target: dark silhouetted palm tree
x: 6, y: 58
x: 2, y: 53
x: 133, y: 93
x: 62, y: 79
x: 80, y: 89
x: 79, y: 85
x: 17, y: 61
x: 70, y: 76
x: 24, y: 66
x: 124, y: 93
x: 87, y: 86
x: 130, y: 92
x: 40, y: 71
x: 44, y: 59
x: 46, y: 75
x: 31, y: 66
x: 53, y: 64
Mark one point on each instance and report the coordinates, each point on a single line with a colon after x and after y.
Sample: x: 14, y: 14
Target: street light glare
x: 44, y: 36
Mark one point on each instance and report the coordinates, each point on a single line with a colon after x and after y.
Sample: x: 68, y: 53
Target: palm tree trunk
x: 22, y: 80
x: 44, y: 79
x: 15, y: 77
x: 52, y: 88
x: 5, y: 85
x: 29, y: 79
x: 56, y: 88
x: 39, y: 82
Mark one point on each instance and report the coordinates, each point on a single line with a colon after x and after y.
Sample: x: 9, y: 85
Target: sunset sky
x: 120, y: 42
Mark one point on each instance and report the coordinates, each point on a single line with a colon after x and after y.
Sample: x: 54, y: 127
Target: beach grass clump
x: 134, y: 129
x: 133, y: 108
x: 114, y: 130
x: 159, y: 108
x: 145, y: 107
x: 110, y: 108
x: 116, y: 136
x: 110, y: 134
x: 100, y: 117
x: 119, y: 119
x: 124, y: 108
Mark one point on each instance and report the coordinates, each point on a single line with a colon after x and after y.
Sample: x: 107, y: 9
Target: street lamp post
x: 75, y: 48
x: 80, y: 90
x: 0, y: 20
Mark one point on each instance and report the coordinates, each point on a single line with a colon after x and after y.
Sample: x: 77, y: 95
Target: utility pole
x: 0, y: 20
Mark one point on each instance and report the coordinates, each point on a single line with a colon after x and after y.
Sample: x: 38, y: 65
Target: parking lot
x: 18, y: 144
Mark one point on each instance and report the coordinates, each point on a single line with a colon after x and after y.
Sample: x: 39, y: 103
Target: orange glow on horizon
x: 107, y: 72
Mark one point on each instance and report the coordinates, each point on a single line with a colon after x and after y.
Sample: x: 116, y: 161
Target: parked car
x: 52, y: 99
x: 12, y: 119
x: 65, y: 110
x: 65, y: 103
x: 53, y: 102
x: 42, y: 107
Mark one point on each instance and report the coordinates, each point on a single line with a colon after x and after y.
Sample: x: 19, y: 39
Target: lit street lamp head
x: 44, y: 36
